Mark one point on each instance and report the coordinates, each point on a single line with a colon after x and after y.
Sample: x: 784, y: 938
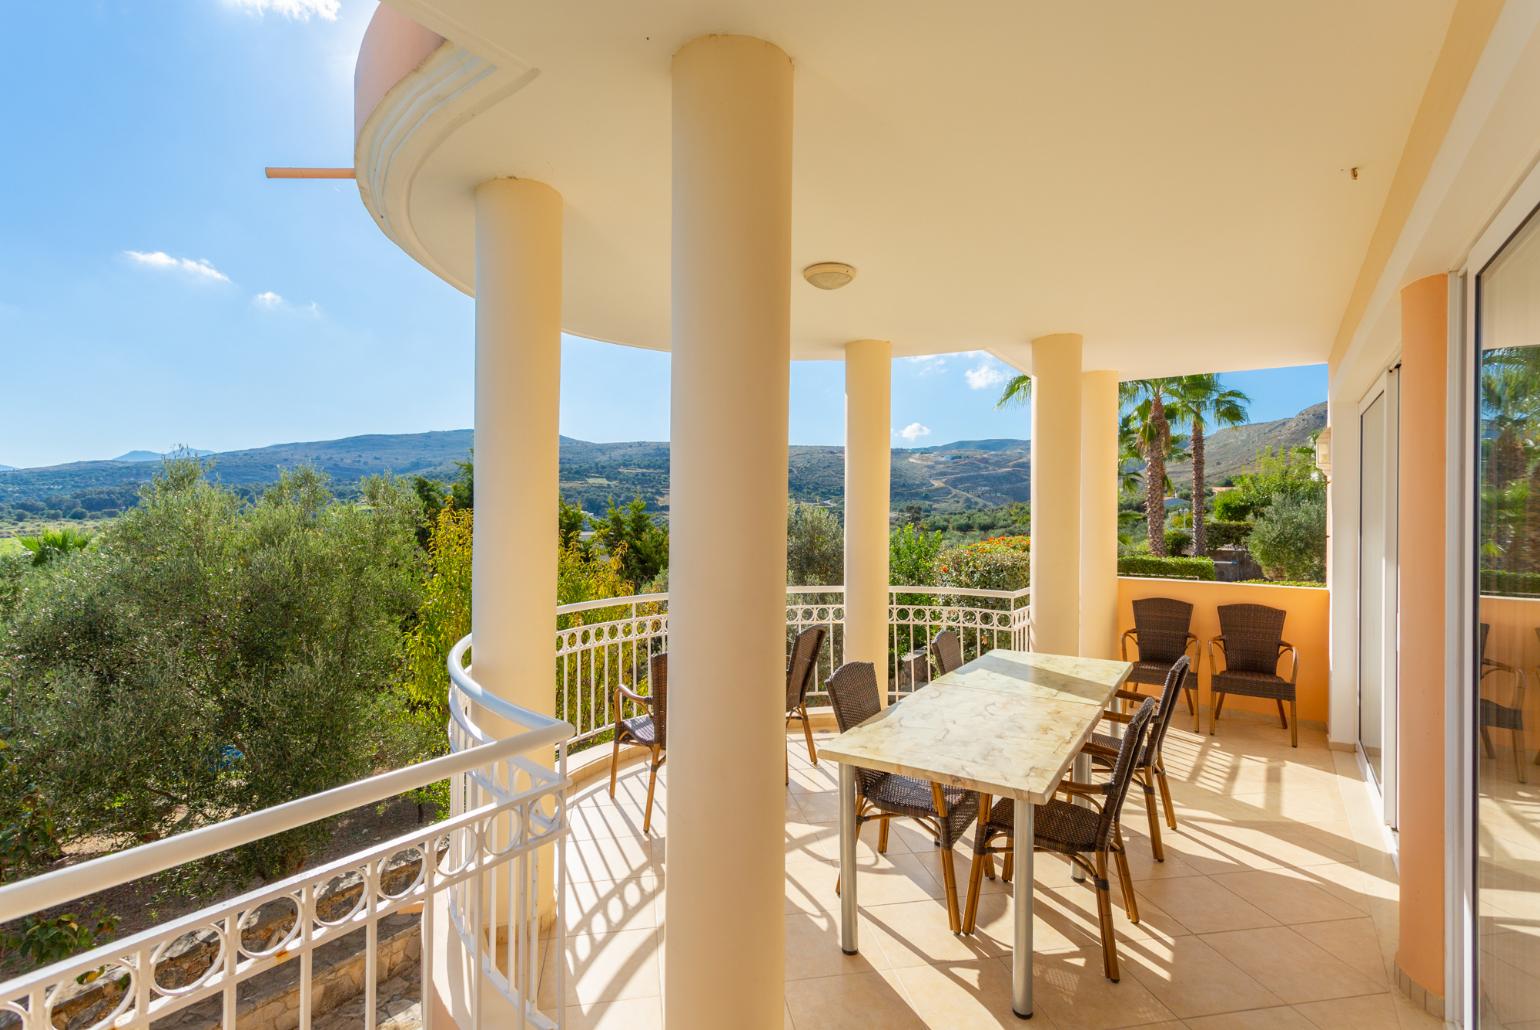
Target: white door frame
x: 1387, y: 387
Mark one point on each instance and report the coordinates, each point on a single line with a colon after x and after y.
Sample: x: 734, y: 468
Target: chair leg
x: 1282, y: 719
x: 948, y: 872
x: 1010, y: 865
x: 1148, y: 786
x: 882, y: 836
x: 975, y: 881
x: 1518, y: 754
x: 807, y: 731
x: 1130, y: 903
x: 1104, y: 910
x: 1486, y: 743
x: 1293, y: 723
x: 614, y: 763
x: 1213, y: 719
x: 652, y: 783
x: 1165, y: 796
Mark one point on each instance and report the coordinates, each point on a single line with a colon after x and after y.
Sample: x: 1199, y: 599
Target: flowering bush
x: 999, y: 563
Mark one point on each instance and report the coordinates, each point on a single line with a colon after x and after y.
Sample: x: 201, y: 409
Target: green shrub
x: 1166, y: 568
x: 1231, y: 506
x: 1222, y: 533
x: 815, y: 546
x: 1288, y: 537
x: 999, y: 563
x: 912, y: 554
x: 44, y: 940
x: 1510, y: 584
x: 1178, y: 541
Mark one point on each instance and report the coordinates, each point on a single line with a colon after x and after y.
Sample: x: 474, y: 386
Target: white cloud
x: 926, y: 364
x: 198, y: 268
x: 982, y: 377
x: 913, y: 431
x: 295, y: 10
x: 268, y: 300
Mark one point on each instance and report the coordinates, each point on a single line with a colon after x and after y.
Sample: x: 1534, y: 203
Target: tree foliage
x: 1289, y: 537
x: 815, y: 546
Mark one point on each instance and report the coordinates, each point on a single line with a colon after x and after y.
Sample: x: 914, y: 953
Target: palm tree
x: 1206, y: 402
x: 1145, y: 401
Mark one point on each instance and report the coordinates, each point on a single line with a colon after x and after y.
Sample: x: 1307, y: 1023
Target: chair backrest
x: 1253, y: 633
x: 803, y: 663
x: 657, y: 689
x: 1161, y: 625
x: 1135, y: 735
x: 946, y: 649
x: 1168, y: 696
x: 853, y: 696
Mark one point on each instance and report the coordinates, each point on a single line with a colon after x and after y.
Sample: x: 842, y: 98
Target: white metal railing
x: 603, y: 644
x: 484, y: 858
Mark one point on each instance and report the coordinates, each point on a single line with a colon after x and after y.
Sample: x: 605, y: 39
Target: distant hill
x: 180, y: 452
x: 969, y: 474
x: 7, y: 468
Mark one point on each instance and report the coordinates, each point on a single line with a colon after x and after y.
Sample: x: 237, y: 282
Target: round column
x: 1056, y: 493
x: 868, y: 473
x: 731, y: 264
x: 1099, y: 514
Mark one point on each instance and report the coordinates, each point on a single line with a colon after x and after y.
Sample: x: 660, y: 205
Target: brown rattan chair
x: 1150, y: 770
x: 946, y: 649
x: 1089, y: 837
x: 1497, y: 716
x: 1251, y: 642
x: 946, y: 812
x: 1162, y: 634
x: 649, y: 730
x: 800, y: 669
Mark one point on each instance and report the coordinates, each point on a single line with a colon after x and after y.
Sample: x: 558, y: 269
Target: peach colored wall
x: 392, y: 48
x: 1424, y: 388
x: 1306, y: 627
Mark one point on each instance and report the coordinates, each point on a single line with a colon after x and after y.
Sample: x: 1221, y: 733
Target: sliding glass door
x: 1378, y: 434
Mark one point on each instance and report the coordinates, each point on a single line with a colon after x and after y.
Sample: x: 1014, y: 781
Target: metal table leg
x: 1021, y: 955
x: 1080, y: 772
x: 848, y: 916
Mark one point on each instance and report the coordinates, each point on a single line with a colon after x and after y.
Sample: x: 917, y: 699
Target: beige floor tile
x: 1276, y: 1018
x: 632, y: 1014
x: 590, y: 821
x: 917, y: 932
x: 1294, y: 895
x: 1201, y: 905
x: 1191, y: 978
x: 1069, y: 988
x: 1355, y: 942
x: 1076, y: 906
x: 615, y: 858
x: 820, y: 806
x: 859, y: 1001
x: 964, y: 996
x: 1290, y: 966
x: 1052, y: 929
x: 813, y: 947
x: 605, y: 906
x: 612, y: 967
x: 1369, y: 1012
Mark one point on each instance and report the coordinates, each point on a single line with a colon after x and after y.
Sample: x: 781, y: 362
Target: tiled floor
x: 1275, y: 907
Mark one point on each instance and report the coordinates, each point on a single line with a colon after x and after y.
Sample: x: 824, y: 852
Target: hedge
x: 1511, y: 584
x: 1220, y: 533
x: 1166, y: 568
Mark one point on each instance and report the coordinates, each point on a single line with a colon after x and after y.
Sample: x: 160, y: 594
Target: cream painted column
x: 1099, y: 514
x: 868, y: 475
x: 725, y: 908
x: 1056, y: 390
x: 518, y: 383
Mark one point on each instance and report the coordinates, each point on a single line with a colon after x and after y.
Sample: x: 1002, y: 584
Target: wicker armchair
x: 946, y: 812
x: 649, y: 730
x: 1162, y: 634
x: 1495, y: 715
x: 800, y: 668
x: 1089, y: 837
x: 946, y: 649
x: 1251, y: 643
x: 1149, y: 770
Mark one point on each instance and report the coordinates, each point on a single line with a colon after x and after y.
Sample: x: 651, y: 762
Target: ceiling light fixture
x: 829, y: 275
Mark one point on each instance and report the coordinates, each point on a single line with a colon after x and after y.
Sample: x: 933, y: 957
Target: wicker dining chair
x: 1497, y: 716
x: 800, y: 670
x: 1150, y: 770
x: 649, y: 730
x: 1251, y: 643
x: 1089, y: 837
x: 1162, y: 633
x: 945, y: 812
x: 946, y: 649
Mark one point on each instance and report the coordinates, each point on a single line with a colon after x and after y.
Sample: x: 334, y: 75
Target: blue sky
x: 156, y: 290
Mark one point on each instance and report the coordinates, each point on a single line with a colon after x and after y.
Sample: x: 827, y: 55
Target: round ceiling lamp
x: 829, y: 275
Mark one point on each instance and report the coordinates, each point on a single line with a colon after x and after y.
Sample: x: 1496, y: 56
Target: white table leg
x: 1021, y: 955
x: 1080, y: 772
x: 848, y: 916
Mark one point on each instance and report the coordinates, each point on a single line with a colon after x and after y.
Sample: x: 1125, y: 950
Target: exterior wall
x: 1424, y: 391
x: 1306, y: 627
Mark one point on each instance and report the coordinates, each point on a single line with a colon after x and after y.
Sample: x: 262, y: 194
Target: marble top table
x: 1007, y: 724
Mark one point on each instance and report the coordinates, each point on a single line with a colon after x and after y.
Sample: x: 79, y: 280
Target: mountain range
x: 968, y: 474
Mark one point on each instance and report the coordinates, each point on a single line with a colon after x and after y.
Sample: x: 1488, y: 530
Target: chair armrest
x: 1286, y: 648
x: 1112, y: 716
x: 621, y: 691
x: 1102, y: 750
x: 1094, y: 793
x: 1213, y: 662
x: 1131, y: 695
x: 1123, y: 642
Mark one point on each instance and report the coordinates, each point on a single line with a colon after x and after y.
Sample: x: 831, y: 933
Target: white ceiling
x: 1169, y: 179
